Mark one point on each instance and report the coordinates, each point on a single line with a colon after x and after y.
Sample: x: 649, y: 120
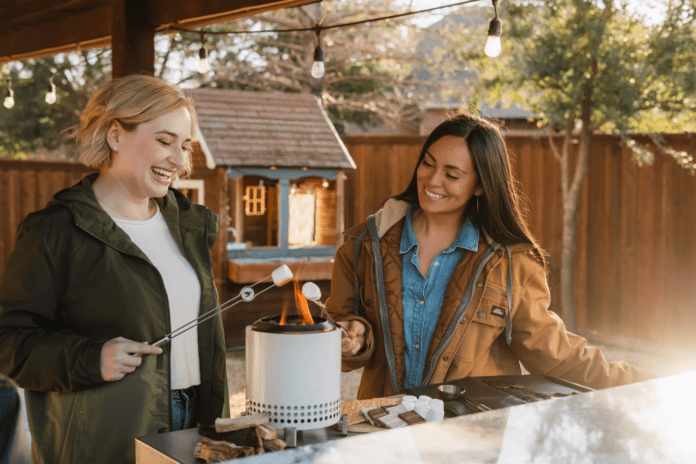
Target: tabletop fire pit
x: 293, y: 371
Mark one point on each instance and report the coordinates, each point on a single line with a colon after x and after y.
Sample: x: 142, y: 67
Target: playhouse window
x: 311, y: 215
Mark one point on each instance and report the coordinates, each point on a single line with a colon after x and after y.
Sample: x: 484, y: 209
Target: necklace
x: 119, y: 213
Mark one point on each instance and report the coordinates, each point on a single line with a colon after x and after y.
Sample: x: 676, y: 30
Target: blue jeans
x: 185, y: 409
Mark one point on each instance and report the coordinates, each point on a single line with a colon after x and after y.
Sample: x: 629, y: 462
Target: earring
x: 115, y: 147
x: 477, y: 203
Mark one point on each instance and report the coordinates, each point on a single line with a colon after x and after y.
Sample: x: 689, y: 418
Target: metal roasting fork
x: 244, y: 294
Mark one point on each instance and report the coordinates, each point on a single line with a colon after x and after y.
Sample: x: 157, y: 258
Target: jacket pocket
x: 487, y: 323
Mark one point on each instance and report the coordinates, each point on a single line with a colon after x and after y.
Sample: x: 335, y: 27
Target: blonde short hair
x: 131, y: 100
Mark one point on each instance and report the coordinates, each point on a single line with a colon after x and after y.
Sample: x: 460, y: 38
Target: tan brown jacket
x: 469, y: 339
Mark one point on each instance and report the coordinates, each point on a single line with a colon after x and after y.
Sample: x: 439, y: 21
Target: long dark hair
x: 499, y: 209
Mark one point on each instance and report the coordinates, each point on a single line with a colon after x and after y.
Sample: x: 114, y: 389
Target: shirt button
x: 479, y: 284
x: 416, y: 346
x: 481, y: 314
x: 436, y: 263
x: 421, y: 302
x: 463, y: 321
x: 446, y: 357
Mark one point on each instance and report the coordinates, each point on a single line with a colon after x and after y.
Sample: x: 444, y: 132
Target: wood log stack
x: 238, y: 437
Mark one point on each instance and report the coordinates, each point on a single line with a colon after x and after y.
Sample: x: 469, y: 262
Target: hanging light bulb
x: 318, y: 65
x: 9, y: 98
x: 495, y: 29
x: 51, y: 92
x: 203, y: 65
x: 318, y: 69
x: 325, y: 183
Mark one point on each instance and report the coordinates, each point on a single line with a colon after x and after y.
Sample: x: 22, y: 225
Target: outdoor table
x: 646, y: 422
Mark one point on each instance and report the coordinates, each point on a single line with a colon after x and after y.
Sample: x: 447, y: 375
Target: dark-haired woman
x: 446, y: 281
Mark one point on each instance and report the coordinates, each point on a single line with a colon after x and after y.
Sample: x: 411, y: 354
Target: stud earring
x: 115, y: 147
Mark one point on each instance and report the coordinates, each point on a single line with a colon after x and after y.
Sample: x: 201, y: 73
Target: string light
x: 203, y: 65
x: 51, y: 93
x: 318, y: 65
x: 495, y: 29
x: 9, y: 98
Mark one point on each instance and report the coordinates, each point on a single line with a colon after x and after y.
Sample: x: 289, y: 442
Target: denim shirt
x: 422, y: 297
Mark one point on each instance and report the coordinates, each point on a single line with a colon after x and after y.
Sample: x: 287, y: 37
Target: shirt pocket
x: 487, y: 323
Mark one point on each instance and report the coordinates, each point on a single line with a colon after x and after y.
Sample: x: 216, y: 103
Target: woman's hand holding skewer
x: 117, y: 357
x: 356, y: 332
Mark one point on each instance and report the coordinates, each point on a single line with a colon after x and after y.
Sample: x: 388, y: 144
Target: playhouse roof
x: 262, y: 129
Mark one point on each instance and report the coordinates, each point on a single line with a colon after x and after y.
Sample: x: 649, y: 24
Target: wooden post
x: 284, y: 207
x: 132, y: 38
x: 340, y: 207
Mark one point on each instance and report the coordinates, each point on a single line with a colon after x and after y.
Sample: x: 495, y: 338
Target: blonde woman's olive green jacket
x: 76, y: 280
x: 490, y: 289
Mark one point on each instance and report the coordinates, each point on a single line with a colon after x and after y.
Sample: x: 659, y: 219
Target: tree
x: 32, y: 125
x: 590, y: 65
x: 368, y: 77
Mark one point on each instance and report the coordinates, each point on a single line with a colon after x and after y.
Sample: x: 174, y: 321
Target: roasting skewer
x: 280, y: 276
x: 312, y: 292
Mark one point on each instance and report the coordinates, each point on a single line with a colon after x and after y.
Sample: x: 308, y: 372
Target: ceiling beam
x: 92, y: 29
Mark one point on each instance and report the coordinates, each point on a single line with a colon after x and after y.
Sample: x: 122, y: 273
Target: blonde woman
x: 115, y: 262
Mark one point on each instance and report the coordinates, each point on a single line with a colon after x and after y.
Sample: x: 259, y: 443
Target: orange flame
x: 301, y: 304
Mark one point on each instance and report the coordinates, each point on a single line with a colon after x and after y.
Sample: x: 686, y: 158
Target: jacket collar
x: 82, y: 204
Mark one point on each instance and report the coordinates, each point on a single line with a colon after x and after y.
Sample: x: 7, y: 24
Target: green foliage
x: 629, y: 75
x: 369, y: 67
x: 33, y: 125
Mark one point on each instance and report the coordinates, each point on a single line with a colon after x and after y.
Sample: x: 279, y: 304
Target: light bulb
x: 51, y: 94
x: 203, y: 66
x: 325, y: 183
x: 493, y: 46
x: 318, y: 65
x: 9, y: 99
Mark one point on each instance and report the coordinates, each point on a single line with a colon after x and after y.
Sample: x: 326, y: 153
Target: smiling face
x: 148, y: 158
x: 446, y: 177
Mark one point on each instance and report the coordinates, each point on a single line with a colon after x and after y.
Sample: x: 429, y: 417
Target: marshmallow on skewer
x: 311, y: 291
x: 282, y: 275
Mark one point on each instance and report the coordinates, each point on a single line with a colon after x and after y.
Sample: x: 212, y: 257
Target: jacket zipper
x: 461, y: 310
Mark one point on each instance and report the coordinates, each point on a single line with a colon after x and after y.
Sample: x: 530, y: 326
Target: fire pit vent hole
x: 304, y: 414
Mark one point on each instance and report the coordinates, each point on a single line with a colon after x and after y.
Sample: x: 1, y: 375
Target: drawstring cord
x: 508, y: 318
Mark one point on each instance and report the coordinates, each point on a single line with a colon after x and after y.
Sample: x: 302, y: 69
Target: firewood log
x: 216, y: 451
x: 275, y: 444
x: 242, y: 422
x: 266, y: 432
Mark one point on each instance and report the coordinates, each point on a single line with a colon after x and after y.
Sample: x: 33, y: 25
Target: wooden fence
x: 27, y: 186
x: 635, y: 254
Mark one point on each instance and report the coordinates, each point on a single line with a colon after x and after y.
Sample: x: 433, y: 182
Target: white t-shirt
x: 183, y: 291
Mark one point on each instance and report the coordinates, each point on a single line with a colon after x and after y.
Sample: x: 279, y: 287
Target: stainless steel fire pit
x: 293, y: 372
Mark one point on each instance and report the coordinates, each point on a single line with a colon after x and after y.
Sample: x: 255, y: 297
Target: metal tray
x: 501, y: 391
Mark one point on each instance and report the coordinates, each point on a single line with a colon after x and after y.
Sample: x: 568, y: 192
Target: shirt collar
x: 467, y: 238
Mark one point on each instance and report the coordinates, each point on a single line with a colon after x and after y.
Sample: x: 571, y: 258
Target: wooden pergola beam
x: 93, y: 28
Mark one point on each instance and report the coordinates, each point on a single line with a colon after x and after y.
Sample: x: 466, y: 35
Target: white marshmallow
x: 311, y: 291
x: 282, y: 275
